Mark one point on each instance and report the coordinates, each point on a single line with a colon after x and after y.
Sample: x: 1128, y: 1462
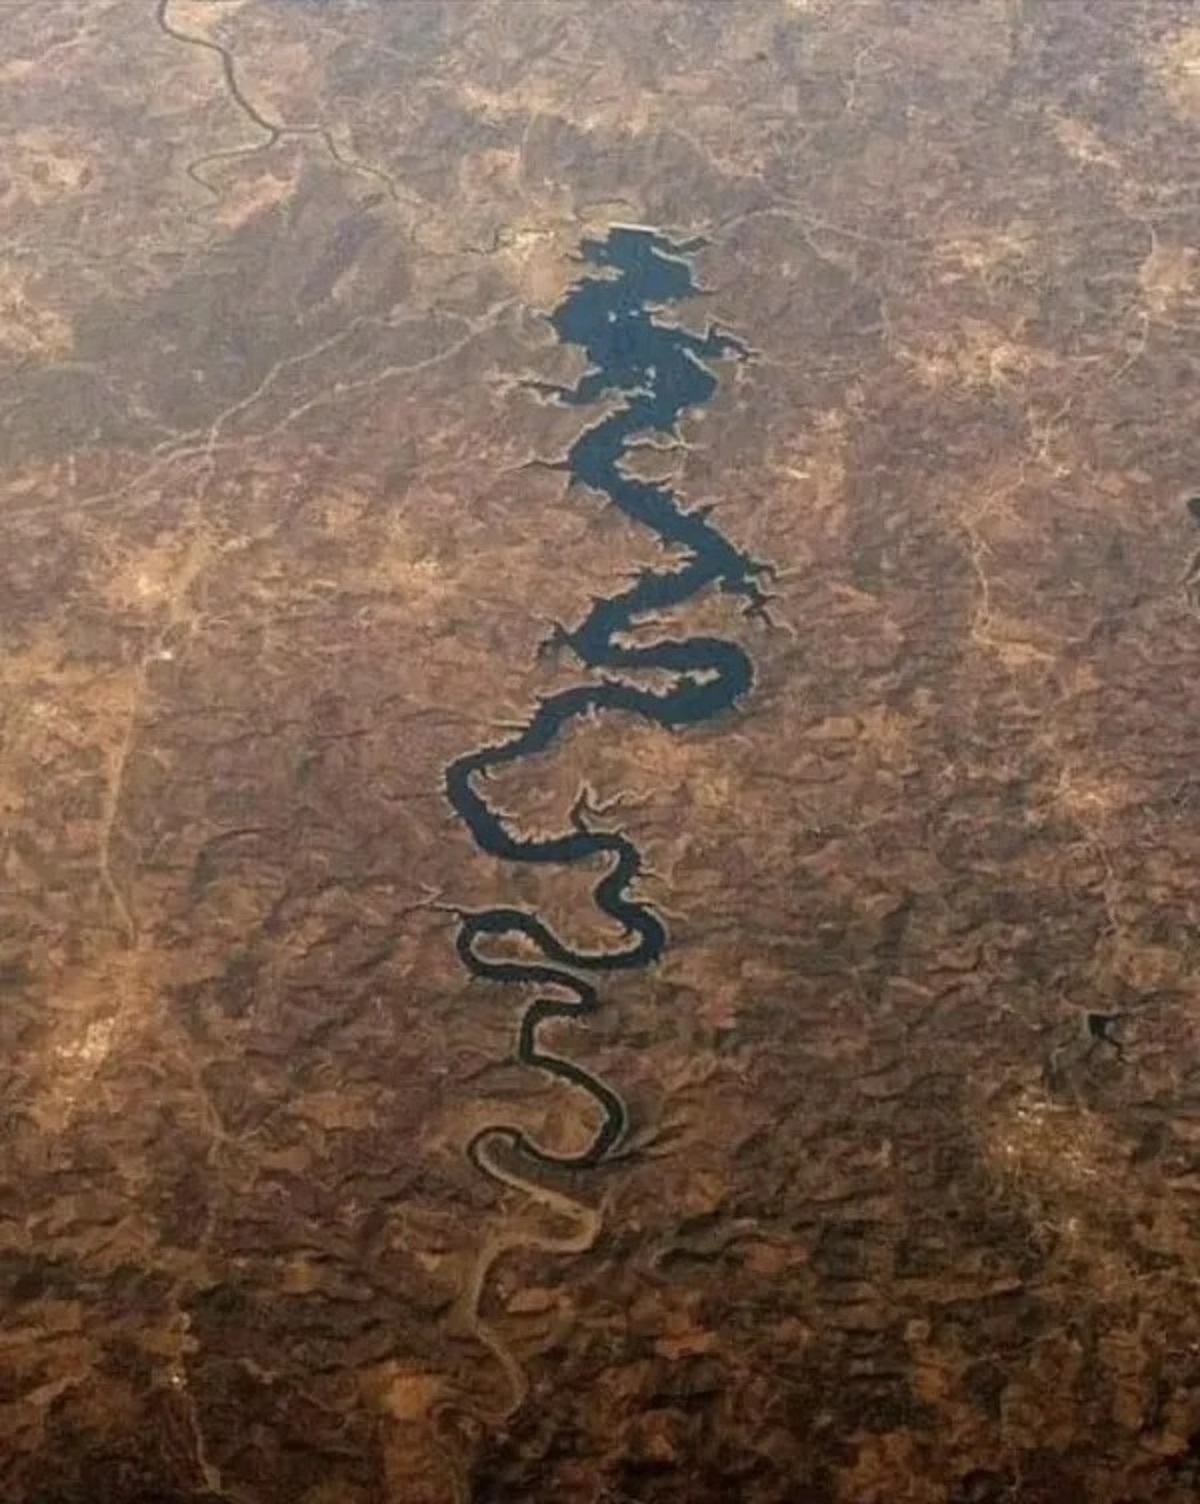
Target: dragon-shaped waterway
x: 659, y: 370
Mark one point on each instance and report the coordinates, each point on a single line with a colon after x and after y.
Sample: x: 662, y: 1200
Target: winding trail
x: 662, y: 371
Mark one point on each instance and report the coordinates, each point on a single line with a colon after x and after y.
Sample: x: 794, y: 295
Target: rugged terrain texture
x: 912, y: 1208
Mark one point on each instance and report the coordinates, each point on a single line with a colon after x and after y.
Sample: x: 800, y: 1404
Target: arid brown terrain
x: 908, y: 1211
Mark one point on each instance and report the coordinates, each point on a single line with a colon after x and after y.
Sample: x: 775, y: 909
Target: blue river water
x: 661, y: 371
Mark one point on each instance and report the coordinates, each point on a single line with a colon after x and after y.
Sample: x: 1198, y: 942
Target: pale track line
x: 168, y: 459
x: 192, y: 566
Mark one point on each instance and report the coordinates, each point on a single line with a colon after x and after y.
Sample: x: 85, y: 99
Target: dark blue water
x: 661, y: 371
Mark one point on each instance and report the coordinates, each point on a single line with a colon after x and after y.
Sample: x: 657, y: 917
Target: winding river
x: 661, y: 371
